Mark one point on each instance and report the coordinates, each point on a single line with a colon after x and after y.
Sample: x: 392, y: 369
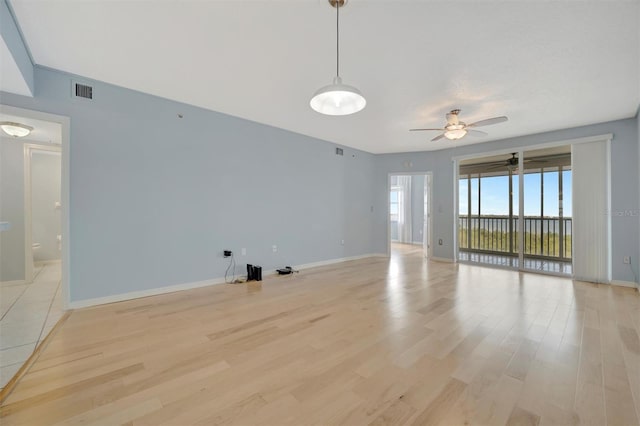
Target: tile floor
x: 28, y: 312
x: 542, y: 265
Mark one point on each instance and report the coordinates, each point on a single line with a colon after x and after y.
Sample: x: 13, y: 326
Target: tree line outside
x: 541, y: 243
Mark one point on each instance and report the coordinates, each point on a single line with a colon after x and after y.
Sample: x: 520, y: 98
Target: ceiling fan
x: 456, y: 129
x: 513, y: 162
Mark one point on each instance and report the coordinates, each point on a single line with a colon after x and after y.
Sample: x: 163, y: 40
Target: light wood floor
x: 399, y: 341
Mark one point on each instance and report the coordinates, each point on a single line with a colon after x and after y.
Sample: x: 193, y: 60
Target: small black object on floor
x: 286, y: 270
x: 254, y: 272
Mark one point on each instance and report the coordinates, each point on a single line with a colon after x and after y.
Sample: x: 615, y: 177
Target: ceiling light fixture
x: 338, y: 98
x: 16, y: 130
x: 455, y: 131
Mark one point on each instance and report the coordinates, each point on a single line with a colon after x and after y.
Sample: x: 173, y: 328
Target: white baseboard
x: 441, y: 259
x: 338, y: 260
x: 10, y: 283
x: 189, y: 286
x: 142, y: 293
x: 47, y: 262
x: 624, y: 283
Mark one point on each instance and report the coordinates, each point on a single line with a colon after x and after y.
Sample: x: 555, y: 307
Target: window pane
x: 532, y: 194
x: 474, y: 195
x: 394, y: 196
x: 495, y: 195
x: 551, y: 193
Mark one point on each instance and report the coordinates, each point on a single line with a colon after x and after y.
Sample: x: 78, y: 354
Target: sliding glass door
x: 491, y: 228
x: 547, y: 220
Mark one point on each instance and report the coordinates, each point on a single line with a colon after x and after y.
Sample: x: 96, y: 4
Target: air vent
x: 83, y: 91
x: 339, y: 151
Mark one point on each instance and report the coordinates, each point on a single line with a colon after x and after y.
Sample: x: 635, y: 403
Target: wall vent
x: 83, y: 91
x: 339, y: 151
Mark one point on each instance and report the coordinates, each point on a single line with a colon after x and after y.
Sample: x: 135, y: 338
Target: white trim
x: 198, y: 284
x: 12, y: 283
x: 142, y: 293
x: 47, y: 262
x: 65, y: 123
x: 442, y: 259
x: 621, y: 283
x: 586, y: 139
x: 456, y: 207
x: 339, y: 260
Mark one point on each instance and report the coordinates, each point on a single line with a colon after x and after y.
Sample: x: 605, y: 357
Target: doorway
x: 34, y: 223
x: 409, y: 213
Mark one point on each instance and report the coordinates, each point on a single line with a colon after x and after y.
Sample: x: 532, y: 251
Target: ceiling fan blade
x: 472, y: 132
x: 437, y: 138
x: 420, y: 130
x: 488, y: 121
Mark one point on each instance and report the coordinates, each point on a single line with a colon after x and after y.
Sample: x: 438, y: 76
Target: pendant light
x: 338, y: 98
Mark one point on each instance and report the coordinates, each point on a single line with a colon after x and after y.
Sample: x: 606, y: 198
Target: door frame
x: 429, y: 185
x: 65, y: 124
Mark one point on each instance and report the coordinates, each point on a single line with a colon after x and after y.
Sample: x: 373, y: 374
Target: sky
x: 495, y: 195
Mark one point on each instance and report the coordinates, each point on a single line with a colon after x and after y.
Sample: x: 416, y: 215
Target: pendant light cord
x: 337, y: 38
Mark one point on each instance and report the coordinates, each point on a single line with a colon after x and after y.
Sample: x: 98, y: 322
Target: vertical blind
x: 591, y: 211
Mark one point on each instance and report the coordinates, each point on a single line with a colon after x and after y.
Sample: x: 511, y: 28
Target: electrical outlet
x: 626, y: 260
x: 243, y: 251
x: 227, y: 253
x: 274, y: 248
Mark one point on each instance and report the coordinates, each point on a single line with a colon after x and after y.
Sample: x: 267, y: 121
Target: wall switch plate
x: 243, y: 251
x: 274, y: 248
x: 626, y: 260
x: 440, y: 242
x: 341, y: 242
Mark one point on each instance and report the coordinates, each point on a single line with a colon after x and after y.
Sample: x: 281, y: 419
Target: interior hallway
x: 28, y: 313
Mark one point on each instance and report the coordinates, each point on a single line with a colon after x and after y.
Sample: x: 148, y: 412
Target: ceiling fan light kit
x: 337, y: 98
x: 455, y: 131
x: 17, y: 130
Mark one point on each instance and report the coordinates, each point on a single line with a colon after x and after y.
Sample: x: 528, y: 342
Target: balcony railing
x: 544, y: 237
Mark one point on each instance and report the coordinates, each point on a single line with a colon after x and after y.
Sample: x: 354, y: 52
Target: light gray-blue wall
x: 624, y: 191
x: 12, y: 266
x: 12, y: 38
x: 155, y: 199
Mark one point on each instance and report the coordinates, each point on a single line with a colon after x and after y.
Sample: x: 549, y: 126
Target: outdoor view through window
x: 489, y: 211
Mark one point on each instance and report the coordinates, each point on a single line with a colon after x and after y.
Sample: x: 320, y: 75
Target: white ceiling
x: 545, y: 64
x: 43, y: 131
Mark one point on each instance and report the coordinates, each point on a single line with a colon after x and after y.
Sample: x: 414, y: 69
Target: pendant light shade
x: 337, y: 98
